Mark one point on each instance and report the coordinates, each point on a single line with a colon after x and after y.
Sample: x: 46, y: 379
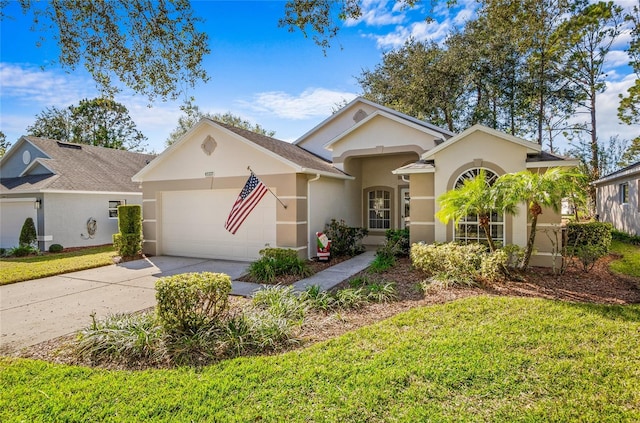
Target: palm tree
x: 538, y: 190
x: 474, y: 197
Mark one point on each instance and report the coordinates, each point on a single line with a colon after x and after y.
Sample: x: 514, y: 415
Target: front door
x: 404, y: 208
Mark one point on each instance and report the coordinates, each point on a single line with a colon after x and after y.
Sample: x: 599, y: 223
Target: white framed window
x: 468, y: 228
x: 379, y: 208
x: 113, y: 208
x: 624, y: 192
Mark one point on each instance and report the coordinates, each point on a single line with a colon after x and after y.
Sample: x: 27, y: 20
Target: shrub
x: 588, y: 242
x: 278, y: 261
x: 191, y: 301
x: 280, y: 301
x: 22, y: 251
x: 126, y: 337
x: 55, y: 248
x: 382, y: 261
x: 315, y: 298
x: 625, y: 237
x: 381, y: 292
x: 256, y: 331
x: 28, y: 235
x: 458, y: 264
x: 128, y: 241
x: 397, y: 240
x: 345, y: 240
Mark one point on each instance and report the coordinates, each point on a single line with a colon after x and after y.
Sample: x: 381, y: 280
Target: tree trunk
x: 535, y: 211
x: 484, y: 222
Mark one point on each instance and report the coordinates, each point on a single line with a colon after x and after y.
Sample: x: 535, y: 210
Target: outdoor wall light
x: 37, y: 204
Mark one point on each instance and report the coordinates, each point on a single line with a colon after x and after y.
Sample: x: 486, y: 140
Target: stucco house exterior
x: 618, y: 199
x: 366, y: 164
x: 71, y: 191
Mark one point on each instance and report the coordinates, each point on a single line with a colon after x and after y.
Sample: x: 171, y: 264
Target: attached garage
x: 193, y: 225
x: 13, y: 213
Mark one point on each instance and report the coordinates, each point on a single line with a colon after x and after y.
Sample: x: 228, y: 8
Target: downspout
x: 309, y: 213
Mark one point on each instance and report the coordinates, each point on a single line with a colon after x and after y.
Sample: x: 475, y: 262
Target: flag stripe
x: 247, y: 200
x: 244, y: 213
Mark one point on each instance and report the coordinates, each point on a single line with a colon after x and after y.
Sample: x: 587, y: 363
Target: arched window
x: 468, y: 229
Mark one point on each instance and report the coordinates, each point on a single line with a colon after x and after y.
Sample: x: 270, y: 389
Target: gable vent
x: 359, y: 115
x: 72, y: 146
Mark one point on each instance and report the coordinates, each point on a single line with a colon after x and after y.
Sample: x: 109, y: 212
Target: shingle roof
x: 80, y: 167
x: 288, y: 151
x: 545, y: 156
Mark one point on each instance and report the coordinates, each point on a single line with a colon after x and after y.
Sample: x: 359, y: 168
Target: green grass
x: 34, y: 267
x: 629, y: 264
x: 488, y: 359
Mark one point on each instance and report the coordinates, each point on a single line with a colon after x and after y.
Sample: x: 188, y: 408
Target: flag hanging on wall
x: 248, y: 199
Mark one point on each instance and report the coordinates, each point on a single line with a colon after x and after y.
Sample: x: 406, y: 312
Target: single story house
x: 618, y: 199
x: 366, y: 164
x: 71, y: 191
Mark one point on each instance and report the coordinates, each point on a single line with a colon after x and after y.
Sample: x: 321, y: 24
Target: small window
x: 113, y: 208
x: 624, y: 193
x: 379, y: 209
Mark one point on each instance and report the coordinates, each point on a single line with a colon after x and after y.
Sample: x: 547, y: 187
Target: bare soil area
x: 597, y: 286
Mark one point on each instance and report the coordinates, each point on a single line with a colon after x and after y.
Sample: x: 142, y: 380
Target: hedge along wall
x: 128, y: 241
x: 592, y: 233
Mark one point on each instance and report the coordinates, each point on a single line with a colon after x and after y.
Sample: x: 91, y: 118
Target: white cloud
x: 419, y: 31
x: 607, y: 111
x: 445, y: 20
x: 312, y: 102
x: 48, y: 88
x: 378, y: 13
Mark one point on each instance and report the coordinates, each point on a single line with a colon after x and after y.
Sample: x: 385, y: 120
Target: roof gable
x: 76, y: 167
x: 530, y: 146
x: 350, y: 107
x: 292, y: 156
x: 631, y: 170
x: 380, y: 114
x: 19, y: 157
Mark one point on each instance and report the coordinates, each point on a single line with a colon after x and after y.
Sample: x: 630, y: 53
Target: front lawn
x: 34, y: 267
x: 629, y: 263
x: 476, y: 359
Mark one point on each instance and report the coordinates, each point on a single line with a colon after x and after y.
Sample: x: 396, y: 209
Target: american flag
x: 248, y: 199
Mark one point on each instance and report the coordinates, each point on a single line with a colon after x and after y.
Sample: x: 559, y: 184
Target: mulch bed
x: 597, y: 286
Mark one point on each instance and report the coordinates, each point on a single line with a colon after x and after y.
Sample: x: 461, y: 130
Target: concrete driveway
x: 35, y: 311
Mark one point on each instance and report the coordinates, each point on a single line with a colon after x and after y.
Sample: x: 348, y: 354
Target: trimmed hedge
x: 128, y: 242
x: 56, y: 248
x: 189, y: 302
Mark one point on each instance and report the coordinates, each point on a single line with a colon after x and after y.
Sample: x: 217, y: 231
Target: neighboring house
x: 618, y: 199
x: 70, y: 190
x: 367, y: 164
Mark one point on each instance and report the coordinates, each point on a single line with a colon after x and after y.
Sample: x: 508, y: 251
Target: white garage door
x: 13, y: 213
x: 193, y: 225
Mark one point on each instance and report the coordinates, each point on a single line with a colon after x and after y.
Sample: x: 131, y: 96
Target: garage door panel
x: 193, y: 225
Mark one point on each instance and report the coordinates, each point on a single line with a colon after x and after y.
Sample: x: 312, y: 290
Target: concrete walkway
x: 36, y: 311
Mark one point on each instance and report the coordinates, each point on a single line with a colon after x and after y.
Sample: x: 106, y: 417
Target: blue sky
x: 258, y: 71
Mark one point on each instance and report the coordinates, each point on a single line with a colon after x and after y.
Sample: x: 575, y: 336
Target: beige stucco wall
x: 339, y: 123
x: 375, y: 173
x: 291, y: 222
x: 624, y: 217
x: 327, y: 196
x: 381, y: 135
x: 422, y: 228
x: 478, y: 150
x: 230, y: 158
